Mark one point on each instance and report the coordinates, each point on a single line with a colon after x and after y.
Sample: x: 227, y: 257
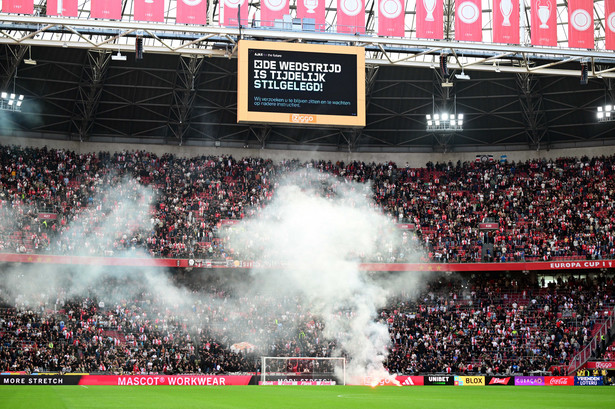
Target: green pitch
x: 300, y: 397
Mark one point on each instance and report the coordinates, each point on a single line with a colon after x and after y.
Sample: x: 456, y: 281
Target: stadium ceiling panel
x: 183, y: 91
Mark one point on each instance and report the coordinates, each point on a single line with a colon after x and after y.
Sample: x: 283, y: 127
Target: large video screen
x: 304, y: 84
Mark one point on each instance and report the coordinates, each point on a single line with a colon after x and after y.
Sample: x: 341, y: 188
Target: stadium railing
x: 583, y: 356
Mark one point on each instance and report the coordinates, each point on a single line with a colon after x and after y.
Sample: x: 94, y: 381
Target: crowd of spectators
x: 462, y: 325
x: 59, y: 202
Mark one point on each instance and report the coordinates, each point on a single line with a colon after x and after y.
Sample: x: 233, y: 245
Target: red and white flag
x: 18, y: 6
x: 313, y: 9
x: 351, y: 16
x: 581, y: 23
x: 429, y: 19
x: 191, y: 12
x: 391, y: 18
x: 609, y: 25
x: 65, y: 8
x: 149, y: 10
x: 272, y: 10
x: 230, y: 13
x: 468, y: 20
x: 544, y: 23
x: 111, y: 9
x: 506, y: 21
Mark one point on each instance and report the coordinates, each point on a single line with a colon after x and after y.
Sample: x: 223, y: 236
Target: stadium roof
x: 184, y: 89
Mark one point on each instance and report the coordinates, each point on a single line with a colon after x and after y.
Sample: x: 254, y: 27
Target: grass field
x: 300, y: 397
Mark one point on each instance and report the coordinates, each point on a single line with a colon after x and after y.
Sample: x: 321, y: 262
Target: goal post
x: 300, y: 368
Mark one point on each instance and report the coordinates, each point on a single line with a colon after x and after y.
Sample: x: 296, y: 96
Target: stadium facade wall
x: 413, y: 159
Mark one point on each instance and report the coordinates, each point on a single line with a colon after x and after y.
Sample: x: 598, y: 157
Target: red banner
x: 601, y: 365
x: 47, y: 216
x: 272, y: 10
x: 429, y: 19
x: 468, y: 21
x: 229, y: 16
x: 191, y: 12
x: 410, y: 380
x: 182, y: 263
x: 581, y: 23
x: 65, y: 8
x: 391, y: 18
x: 111, y: 9
x: 488, y: 226
x: 313, y: 9
x: 18, y: 6
x: 149, y: 10
x: 226, y: 222
x: 351, y: 16
x: 559, y: 380
x: 506, y: 21
x: 609, y: 26
x: 168, y: 380
x: 406, y: 226
x: 544, y: 22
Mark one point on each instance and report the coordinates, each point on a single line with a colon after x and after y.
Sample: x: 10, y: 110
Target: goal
x: 303, y: 370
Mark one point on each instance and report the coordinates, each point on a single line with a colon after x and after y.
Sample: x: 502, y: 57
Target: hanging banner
x: 391, y: 18
x: 110, y: 9
x: 468, y: 21
x: 230, y: 9
x: 581, y: 23
x: 149, y: 10
x: 191, y: 12
x: 64, y: 8
x: 18, y: 6
x: 544, y: 24
x: 272, y: 10
x: 313, y: 9
x: 609, y: 26
x: 351, y: 16
x: 429, y: 19
x: 506, y: 21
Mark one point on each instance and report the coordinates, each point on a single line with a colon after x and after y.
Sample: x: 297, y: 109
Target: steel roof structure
x: 184, y: 90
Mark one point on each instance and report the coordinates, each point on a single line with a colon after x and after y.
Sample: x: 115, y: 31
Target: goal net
x: 292, y: 370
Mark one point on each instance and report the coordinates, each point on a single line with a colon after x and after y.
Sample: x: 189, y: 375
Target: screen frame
x: 244, y: 115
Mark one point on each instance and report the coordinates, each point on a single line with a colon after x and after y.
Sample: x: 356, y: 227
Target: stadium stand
x: 456, y: 325
x: 545, y: 210
x: 472, y: 323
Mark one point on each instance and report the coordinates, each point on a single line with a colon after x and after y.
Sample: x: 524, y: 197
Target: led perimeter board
x: 302, y: 84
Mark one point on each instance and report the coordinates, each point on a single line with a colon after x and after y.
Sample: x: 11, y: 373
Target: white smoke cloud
x: 318, y: 227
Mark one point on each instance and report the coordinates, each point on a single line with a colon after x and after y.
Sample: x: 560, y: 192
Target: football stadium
x: 307, y: 203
